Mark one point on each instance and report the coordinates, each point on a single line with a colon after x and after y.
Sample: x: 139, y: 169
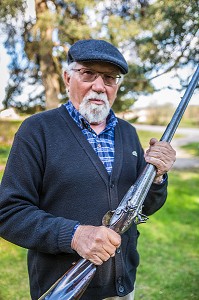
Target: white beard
x: 92, y: 112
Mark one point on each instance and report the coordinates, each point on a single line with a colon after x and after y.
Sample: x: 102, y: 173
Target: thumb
x: 153, y: 141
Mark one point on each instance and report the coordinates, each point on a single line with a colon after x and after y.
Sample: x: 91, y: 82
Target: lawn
x: 168, y: 245
x: 4, y: 152
x: 7, y: 130
x: 192, y: 148
x: 13, y: 275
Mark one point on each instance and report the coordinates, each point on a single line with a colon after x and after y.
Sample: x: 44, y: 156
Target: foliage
x: 153, y: 35
x: 10, y: 8
x: 169, y: 35
x: 191, y: 116
x: 38, y: 63
x: 159, y: 115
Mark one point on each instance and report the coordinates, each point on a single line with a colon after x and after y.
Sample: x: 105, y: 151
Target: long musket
x: 73, y: 283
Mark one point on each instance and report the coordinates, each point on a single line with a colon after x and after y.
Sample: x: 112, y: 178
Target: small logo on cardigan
x: 134, y: 153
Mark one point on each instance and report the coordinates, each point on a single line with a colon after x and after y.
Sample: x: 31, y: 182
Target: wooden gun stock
x: 74, y: 282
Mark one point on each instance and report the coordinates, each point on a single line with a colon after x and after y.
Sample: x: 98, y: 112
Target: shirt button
x: 99, y: 146
x: 121, y: 289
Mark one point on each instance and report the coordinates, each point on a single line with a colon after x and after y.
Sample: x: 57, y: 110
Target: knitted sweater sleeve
x: 22, y: 221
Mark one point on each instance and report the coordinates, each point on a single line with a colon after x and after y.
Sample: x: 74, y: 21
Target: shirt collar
x: 83, y: 123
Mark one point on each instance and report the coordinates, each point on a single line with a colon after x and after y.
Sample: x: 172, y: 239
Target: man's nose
x: 98, y: 85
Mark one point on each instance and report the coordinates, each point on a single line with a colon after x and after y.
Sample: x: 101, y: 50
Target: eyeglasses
x: 88, y: 75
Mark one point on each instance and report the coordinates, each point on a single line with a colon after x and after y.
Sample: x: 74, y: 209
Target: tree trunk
x: 50, y: 80
x: 50, y: 76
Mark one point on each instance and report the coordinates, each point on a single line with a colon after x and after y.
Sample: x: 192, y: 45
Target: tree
x: 43, y: 52
x: 169, y: 35
x: 45, y: 41
x: 154, y: 35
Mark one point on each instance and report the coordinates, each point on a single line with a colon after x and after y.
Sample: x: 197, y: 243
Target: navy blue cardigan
x: 52, y: 181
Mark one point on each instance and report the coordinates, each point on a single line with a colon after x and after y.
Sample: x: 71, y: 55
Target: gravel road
x: 184, y: 160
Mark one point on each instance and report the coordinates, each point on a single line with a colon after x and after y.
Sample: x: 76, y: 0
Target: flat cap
x: 97, y: 50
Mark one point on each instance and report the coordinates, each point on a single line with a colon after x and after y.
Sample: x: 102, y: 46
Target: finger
x: 114, y: 238
x: 165, y: 153
x: 160, y: 155
x: 103, y: 255
x: 110, y: 249
x: 97, y: 255
x: 96, y: 260
x: 153, y: 142
x: 165, y: 156
x: 161, y: 166
x: 163, y: 146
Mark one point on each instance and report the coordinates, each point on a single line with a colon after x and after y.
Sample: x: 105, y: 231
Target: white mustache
x: 94, y: 95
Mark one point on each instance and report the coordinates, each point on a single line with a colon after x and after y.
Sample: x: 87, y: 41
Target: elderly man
x: 68, y: 167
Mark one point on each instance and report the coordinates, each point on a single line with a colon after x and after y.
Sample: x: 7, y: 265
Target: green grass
x: 192, y: 148
x: 145, y: 137
x: 13, y: 276
x: 168, y: 245
x: 7, y: 131
x: 4, y: 152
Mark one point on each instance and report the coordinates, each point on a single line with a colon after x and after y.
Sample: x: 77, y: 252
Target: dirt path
x: 184, y: 160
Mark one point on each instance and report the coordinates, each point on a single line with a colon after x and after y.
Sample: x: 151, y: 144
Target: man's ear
x: 66, y: 79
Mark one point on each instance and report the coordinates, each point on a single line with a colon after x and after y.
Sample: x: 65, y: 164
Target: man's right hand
x: 95, y: 243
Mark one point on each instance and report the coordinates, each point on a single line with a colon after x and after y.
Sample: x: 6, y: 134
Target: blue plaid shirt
x: 103, y: 143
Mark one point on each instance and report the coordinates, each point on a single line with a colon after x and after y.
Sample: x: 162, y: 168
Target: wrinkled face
x: 92, y: 99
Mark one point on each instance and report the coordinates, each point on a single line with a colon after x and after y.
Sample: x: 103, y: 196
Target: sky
x: 164, y: 95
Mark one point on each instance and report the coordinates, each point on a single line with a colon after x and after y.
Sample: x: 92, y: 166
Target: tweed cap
x: 97, y: 50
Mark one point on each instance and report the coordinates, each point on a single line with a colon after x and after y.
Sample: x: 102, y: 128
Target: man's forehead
x: 99, y: 66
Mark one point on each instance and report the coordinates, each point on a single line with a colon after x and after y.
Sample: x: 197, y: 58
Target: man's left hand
x: 161, y: 155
